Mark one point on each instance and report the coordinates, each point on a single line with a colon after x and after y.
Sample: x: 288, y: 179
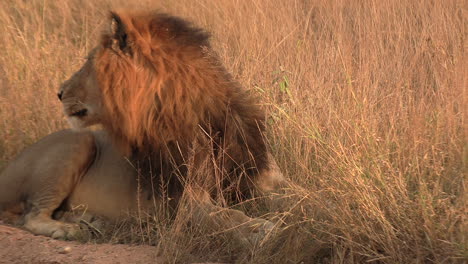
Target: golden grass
x: 367, y: 111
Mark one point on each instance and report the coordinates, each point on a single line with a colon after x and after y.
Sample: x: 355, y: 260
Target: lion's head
x: 154, y: 81
x: 81, y: 97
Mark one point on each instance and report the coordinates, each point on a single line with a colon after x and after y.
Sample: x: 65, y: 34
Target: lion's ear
x: 119, y: 34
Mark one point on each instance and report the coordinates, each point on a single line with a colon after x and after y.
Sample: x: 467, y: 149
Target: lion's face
x: 160, y: 92
x: 146, y: 81
x: 81, y: 97
x: 153, y: 80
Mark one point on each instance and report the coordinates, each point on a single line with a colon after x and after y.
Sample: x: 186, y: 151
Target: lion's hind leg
x: 48, y: 172
x: 41, y: 224
x: 42, y: 207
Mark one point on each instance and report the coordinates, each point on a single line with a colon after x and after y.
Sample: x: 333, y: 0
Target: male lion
x: 172, y: 117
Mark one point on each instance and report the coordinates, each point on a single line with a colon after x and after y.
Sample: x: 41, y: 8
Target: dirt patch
x: 19, y: 246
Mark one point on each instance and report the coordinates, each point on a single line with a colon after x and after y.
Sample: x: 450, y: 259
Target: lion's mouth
x: 80, y: 113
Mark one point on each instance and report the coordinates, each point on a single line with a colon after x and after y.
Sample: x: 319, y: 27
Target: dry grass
x: 367, y: 111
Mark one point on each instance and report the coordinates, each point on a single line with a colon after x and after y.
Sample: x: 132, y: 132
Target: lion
x: 171, y: 116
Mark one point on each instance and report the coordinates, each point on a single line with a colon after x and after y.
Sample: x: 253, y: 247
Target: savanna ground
x: 366, y: 104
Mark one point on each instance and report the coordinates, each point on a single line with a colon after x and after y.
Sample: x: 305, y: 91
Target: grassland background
x: 366, y: 109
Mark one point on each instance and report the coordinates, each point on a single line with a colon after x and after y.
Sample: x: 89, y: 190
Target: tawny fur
x: 174, y: 115
x: 164, y: 89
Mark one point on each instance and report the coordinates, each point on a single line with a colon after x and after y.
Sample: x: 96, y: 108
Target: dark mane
x: 181, y: 31
x: 168, y: 98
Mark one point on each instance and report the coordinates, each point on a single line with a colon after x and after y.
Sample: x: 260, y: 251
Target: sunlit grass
x: 366, y: 105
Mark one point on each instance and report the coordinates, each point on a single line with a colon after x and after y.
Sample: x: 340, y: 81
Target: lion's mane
x: 166, y: 89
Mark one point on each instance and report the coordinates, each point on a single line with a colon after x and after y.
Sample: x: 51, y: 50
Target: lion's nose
x: 59, y: 95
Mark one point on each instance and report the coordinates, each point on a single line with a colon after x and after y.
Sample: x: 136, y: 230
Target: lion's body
x: 72, y: 169
x: 35, y: 168
x: 170, y: 107
x: 109, y: 187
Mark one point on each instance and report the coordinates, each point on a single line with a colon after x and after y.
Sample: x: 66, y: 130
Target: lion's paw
x: 52, y: 228
x: 65, y: 231
x: 260, y: 230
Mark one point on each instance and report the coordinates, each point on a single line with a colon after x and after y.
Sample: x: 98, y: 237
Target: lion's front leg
x: 217, y: 219
x: 270, y: 179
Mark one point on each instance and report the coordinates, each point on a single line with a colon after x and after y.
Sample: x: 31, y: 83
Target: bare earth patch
x: 19, y: 246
